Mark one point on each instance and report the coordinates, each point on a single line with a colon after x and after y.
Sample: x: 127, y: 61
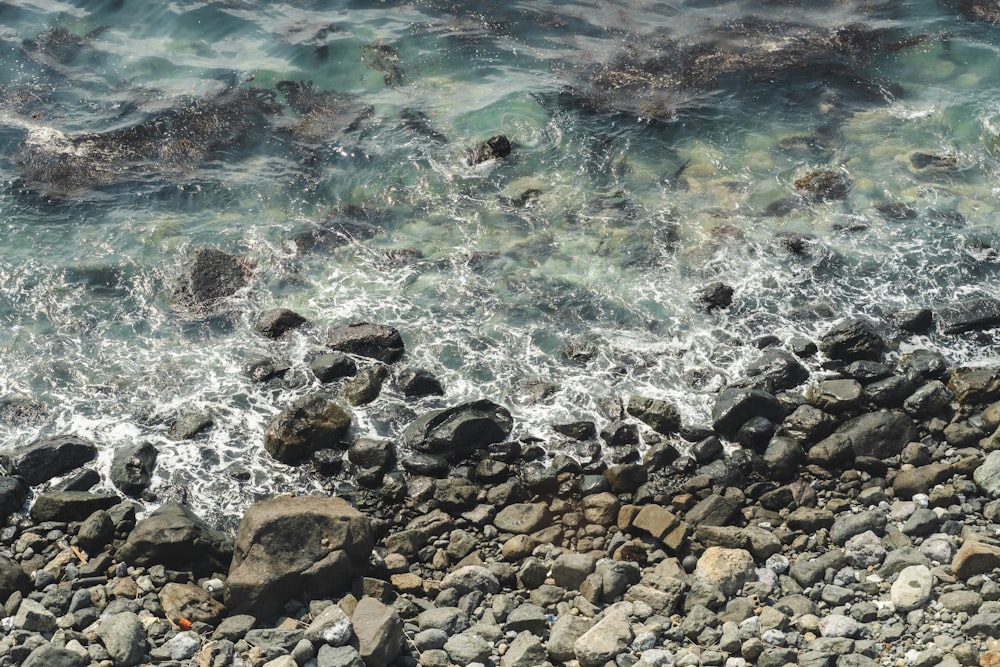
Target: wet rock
x: 495, y: 147
x: 714, y: 510
x: 626, y: 478
x: 96, y: 531
x: 188, y: 426
x: 132, y: 467
x: 777, y: 370
x: 366, y: 385
x: 835, y: 396
x: 729, y: 569
x: 581, y: 430
x: 277, y: 322
x: 807, y: 425
x: 715, y: 296
x: 379, y: 632
x: 460, y: 430
x: 620, y: 433
x: 173, y: 536
x: 975, y: 385
x: 191, y: 602
x: 878, y: 434
x: 852, y: 340
x: 207, y: 276
x: 914, y: 320
x: 890, y: 392
x: 124, y: 638
x: 912, y: 588
x: 329, y: 367
x: 289, y: 546
x: 70, y: 505
x: 968, y: 315
x: 13, y: 493
x: 264, y: 369
x: 50, y: 457
x: 755, y: 433
x: 734, y: 406
x: 377, y: 341
x: 823, y: 185
x: 416, y: 382
x: 783, y: 457
x: 310, y: 423
x: 930, y: 399
x: 661, y: 416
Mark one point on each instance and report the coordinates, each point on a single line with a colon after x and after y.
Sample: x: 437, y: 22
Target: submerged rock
x: 277, y: 322
x: 823, y: 185
x: 493, y: 148
x: 291, y: 546
x: 968, y: 315
x: 207, y: 276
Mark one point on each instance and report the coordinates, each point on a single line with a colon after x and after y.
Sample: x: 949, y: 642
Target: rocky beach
x: 841, y: 510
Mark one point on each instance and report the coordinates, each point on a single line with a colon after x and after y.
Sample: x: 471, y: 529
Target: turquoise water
x: 650, y: 145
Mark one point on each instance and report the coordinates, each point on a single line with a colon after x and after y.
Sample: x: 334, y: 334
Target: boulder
x: 365, y: 387
x: 12, y: 578
x: 206, y: 276
x: 416, y: 382
x: 729, y: 569
x: 309, y: 424
x: 783, y: 457
x: 497, y: 146
x: 124, y: 638
x: 852, y: 340
x: 777, y: 370
x: 132, y: 467
x: 606, y: 640
x: 292, y: 546
x: 174, y: 537
x: 329, y: 367
x: 379, y: 631
x: 734, y: 406
x: 189, y: 425
x: 975, y: 385
x: 471, y: 578
x: 460, y: 430
x: 276, y: 322
x: 50, y: 457
x: 968, y: 315
x: 70, y: 505
x: 563, y: 635
x: 878, y: 434
x: 929, y: 400
x: 715, y: 295
x: 376, y: 341
x: 522, y: 518
x: 807, y: 425
x: 661, y: 416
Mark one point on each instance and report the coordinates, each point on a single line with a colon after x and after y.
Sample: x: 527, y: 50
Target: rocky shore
x: 842, y: 510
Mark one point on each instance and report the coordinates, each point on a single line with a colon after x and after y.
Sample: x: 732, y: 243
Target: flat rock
x: 70, y: 505
x: 968, y: 315
x: 295, y: 545
x: 563, y: 635
x: 377, y: 341
x: 878, y: 434
x: 610, y: 637
x: 191, y: 602
x: 460, y: 430
x: 379, y: 632
x: 974, y: 558
x: 50, y: 457
x: 310, y: 423
x: 522, y: 518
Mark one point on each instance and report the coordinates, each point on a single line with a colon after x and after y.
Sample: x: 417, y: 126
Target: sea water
x: 557, y: 281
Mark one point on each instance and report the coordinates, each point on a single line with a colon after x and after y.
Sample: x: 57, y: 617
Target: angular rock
x: 276, y: 322
x: 173, y: 536
x: 807, y: 425
x: 379, y: 632
x: 189, y: 425
x: 50, y: 457
x: 975, y: 385
x: 714, y: 510
x: 879, y: 434
x: 309, y: 424
x: 570, y: 569
x: 191, y: 602
x: 656, y: 521
x: 32, y: 616
x: 377, y: 341
x: 416, y: 382
x: 331, y: 627
x: 12, y: 578
x: 729, y: 569
x: 968, y: 315
x: 659, y: 415
x: 974, y: 558
x: 458, y: 431
x: 610, y: 637
x: 13, y: 493
x: 715, y: 295
x: 777, y: 370
x: 207, y: 276
x: 467, y: 647
x: 366, y: 385
x: 471, y: 578
x: 132, y: 467
x: 124, y: 638
x: 852, y: 340
x: 496, y: 147
x: 734, y: 406
x: 987, y: 475
x: 525, y: 651
x: 563, y: 635
x: 291, y: 546
x: 70, y: 505
x: 930, y: 399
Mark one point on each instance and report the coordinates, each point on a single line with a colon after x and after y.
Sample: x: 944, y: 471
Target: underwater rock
x: 716, y: 295
x: 823, y: 185
x: 495, y: 147
x: 132, y: 467
x: 308, y: 424
x: 980, y: 10
x: 897, y: 211
x: 927, y: 161
x: 385, y: 59
x: 207, y: 276
x: 377, y: 341
x: 457, y: 431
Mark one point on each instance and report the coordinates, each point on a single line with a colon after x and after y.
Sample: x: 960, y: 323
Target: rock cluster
x: 844, y: 518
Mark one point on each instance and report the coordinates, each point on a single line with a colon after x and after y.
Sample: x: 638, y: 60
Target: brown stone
x: 975, y: 558
x: 975, y: 384
x: 677, y: 539
x: 655, y: 520
x: 407, y: 583
x: 191, y: 602
x: 601, y: 508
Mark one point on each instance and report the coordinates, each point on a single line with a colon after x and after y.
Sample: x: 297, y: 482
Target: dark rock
x: 865, y: 371
x: 460, y: 430
x: 707, y: 450
x: 832, y: 453
x: 929, y: 400
x: 174, y: 537
x: 207, y: 276
x: 890, y: 392
x: 807, y: 424
x: 802, y: 347
x: 777, y: 370
x: 734, y: 406
x: 425, y: 464
x: 879, y: 434
x: 836, y: 396
x: 366, y: 385
x: 783, y: 457
x: 310, y: 423
x: 327, y: 462
x: 659, y: 456
x: 823, y: 185
x: 416, y: 382
x: 287, y: 547
x: 13, y: 493
x: 582, y: 430
x: 620, y: 434
x: 914, y: 320
x: 377, y: 341
x: 756, y: 433
x: 49, y: 655
x: 715, y: 296
x: 975, y: 385
x: 265, y: 369
x: 188, y: 426
x: 50, y: 457
x: 852, y: 340
x: 714, y: 510
x: 929, y: 364
x: 277, y: 322
x: 497, y: 146
x: 968, y: 315
x: 661, y: 416
x: 626, y: 478
x: 82, y: 480
x: 329, y: 367
x: 847, y: 525
x: 372, y: 453
x: 70, y: 505
x: 132, y: 467
x: 96, y: 531
x: 12, y: 578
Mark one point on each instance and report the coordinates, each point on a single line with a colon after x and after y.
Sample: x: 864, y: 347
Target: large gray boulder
x: 879, y: 434
x: 50, y: 457
x: 460, y: 430
x: 206, y: 276
x: 377, y: 341
x: 124, y: 638
x: 307, y: 425
x: 173, y: 536
x: 293, y: 546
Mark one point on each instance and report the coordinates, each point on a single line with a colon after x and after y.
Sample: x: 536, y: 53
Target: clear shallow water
x: 643, y: 168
